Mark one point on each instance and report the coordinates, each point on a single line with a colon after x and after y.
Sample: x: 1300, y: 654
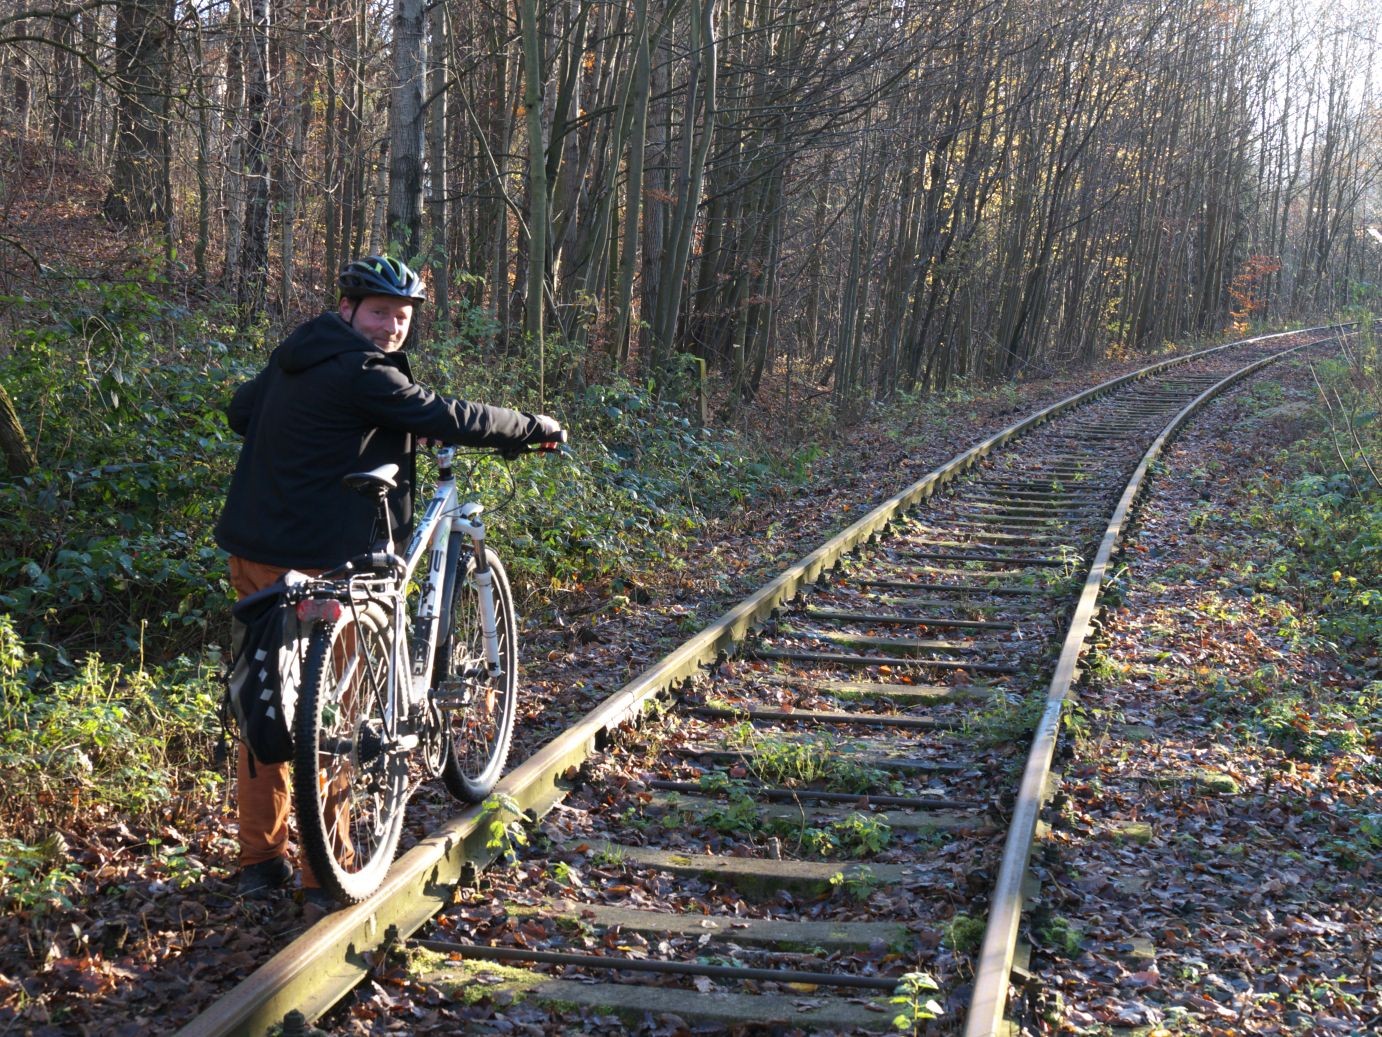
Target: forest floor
x: 1188, y: 913
x: 1260, y: 921
x: 1216, y: 867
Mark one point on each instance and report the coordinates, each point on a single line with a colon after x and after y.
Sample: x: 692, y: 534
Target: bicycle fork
x: 469, y: 522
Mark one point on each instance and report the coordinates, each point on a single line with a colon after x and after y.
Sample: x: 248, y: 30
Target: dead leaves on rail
x: 1210, y: 872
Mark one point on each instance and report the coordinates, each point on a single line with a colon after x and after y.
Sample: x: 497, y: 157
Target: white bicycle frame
x: 432, y: 537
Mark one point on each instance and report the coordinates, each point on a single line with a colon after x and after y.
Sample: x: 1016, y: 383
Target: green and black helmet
x: 381, y: 275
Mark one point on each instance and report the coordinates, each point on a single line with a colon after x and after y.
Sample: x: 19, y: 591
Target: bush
x: 1326, y: 528
x: 1328, y: 521
x: 111, y: 739
x: 640, y: 474
x: 108, y: 546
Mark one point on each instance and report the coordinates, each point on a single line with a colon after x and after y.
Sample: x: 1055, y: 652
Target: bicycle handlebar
x: 509, y: 453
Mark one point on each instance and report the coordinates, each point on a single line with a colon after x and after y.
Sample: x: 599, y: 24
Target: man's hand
x: 546, y: 430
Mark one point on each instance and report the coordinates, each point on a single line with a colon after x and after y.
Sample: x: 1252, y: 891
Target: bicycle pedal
x: 407, y: 743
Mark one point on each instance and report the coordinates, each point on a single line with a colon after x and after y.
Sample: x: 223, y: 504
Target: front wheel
x: 350, y: 783
x: 478, y: 706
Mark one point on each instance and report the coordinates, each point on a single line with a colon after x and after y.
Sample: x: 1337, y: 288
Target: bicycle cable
x: 472, y: 460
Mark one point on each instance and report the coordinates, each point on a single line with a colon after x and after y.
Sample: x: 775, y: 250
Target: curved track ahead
x: 851, y: 782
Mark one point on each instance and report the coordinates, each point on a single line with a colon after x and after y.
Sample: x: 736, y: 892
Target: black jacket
x: 330, y: 402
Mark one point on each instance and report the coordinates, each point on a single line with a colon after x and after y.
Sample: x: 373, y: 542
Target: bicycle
x: 381, y: 688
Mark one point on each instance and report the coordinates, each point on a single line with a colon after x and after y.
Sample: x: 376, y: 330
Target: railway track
x: 837, y: 786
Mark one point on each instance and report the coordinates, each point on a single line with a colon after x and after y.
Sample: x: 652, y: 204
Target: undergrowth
x: 1327, y: 521
x: 640, y: 475
x: 107, y: 545
x: 114, y: 598
x: 1323, y: 531
x: 122, y: 744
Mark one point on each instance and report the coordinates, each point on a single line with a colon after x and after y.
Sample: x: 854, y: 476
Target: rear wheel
x: 349, y: 783
x: 478, y: 707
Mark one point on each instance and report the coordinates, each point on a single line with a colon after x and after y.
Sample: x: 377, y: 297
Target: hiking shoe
x: 264, y: 878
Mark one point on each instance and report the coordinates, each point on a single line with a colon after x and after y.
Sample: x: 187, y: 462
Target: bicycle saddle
x: 377, y: 481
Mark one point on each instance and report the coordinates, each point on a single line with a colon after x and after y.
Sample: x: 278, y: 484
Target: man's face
x: 382, y: 320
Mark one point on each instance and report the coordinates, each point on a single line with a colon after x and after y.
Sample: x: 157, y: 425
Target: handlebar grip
x: 550, y: 446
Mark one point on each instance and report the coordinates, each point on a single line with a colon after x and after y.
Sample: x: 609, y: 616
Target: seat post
x: 377, y: 483
x: 383, y: 518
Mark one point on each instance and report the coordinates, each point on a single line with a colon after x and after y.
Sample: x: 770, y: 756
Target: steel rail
x: 988, y: 1002
x: 326, y: 962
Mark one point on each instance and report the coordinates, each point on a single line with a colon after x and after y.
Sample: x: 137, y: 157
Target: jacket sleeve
x: 241, y: 405
x: 387, y: 397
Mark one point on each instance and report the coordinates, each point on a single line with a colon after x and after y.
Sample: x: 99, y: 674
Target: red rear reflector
x: 315, y: 610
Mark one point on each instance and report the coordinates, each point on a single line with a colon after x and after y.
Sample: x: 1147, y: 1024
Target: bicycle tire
x: 478, y: 710
x: 349, y: 788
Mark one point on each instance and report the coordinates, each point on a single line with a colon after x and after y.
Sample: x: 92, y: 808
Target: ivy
x: 108, y: 545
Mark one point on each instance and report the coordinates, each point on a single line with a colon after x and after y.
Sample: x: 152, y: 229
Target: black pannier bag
x: 267, y: 649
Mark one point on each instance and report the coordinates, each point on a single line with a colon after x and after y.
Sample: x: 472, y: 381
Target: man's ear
x: 346, y: 308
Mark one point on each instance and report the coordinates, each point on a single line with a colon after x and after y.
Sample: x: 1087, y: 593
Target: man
x: 336, y: 397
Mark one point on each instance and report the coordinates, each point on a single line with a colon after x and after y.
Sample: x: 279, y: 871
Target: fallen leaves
x: 1252, y: 921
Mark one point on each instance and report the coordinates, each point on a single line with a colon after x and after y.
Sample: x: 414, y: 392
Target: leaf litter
x: 1200, y: 878
x: 142, y: 941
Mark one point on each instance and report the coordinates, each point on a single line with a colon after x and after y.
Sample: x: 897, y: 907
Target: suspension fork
x: 468, y: 522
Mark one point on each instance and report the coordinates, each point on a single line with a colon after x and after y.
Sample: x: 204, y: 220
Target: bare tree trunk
x: 203, y: 123
x: 565, y: 168
x: 404, y: 228
x: 331, y: 153
x: 165, y: 150
x: 537, y: 182
x: 233, y: 189
x: 588, y: 250
x: 379, y: 208
x: 847, y: 361
x: 19, y: 456
x: 253, y: 275
x: 438, y: 173
x: 136, y: 196
x: 293, y: 162
x: 633, y: 185
x: 656, y: 195
x: 693, y: 155
x: 352, y: 159
x: 19, y: 73
x: 67, y: 109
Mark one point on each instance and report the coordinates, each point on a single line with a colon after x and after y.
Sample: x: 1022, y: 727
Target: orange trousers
x: 265, y: 797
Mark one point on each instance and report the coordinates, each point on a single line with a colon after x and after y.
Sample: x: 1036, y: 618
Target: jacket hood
x: 319, y: 340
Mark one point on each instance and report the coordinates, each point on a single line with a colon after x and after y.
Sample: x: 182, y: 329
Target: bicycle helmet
x: 381, y: 275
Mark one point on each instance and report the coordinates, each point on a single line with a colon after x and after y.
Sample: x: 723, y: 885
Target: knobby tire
x: 349, y: 786
x: 480, y: 731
